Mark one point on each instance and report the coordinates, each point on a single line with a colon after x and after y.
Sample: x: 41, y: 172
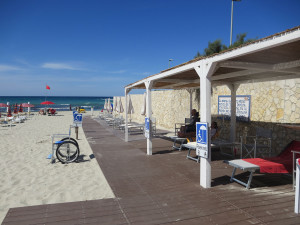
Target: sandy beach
x: 27, y: 176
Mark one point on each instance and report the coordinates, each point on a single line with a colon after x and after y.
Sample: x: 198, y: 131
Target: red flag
x: 47, y: 87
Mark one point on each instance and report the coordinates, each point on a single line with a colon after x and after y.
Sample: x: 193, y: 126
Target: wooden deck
x: 164, y: 189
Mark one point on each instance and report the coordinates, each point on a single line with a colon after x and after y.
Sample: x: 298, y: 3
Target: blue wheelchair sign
x: 202, y: 131
x: 147, y: 127
x: 77, y: 119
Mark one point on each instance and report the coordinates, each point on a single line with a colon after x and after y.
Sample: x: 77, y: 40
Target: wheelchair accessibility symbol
x: 78, y: 118
x: 202, y: 134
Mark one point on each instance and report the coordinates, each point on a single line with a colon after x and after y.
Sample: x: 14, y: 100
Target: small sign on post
x: 297, y: 193
x: 147, y: 127
x: 202, y: 138
x: 77, y: 121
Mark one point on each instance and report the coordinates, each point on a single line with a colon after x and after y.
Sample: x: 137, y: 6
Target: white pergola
x: 276, y: 57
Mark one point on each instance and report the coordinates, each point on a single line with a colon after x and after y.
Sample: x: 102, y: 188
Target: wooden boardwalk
x: 164, y: 189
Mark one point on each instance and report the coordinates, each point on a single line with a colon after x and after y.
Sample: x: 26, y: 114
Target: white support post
x: 126, y: 115
x: 148, y: 85
x: 297, y: 191
x: 191, y: 101
x: 233, y: 88
x: 204, y: 73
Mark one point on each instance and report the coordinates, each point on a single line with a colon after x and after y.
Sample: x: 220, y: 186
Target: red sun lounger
x: 283, y: 163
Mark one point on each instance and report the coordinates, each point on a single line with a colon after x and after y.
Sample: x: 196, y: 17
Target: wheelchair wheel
x: 67, y: 152
x: 70, y: 139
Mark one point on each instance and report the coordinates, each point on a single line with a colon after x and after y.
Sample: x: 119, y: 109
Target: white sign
x: 242, y: 106
x: 77, y: 119
x: 202, y: 132
x: 147, y: 127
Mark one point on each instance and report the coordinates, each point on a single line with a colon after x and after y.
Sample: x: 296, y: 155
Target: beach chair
x: 283, y: 163
x: 177, y: 140
x: 191, y: 146
x: 178, y: 125
x: 260, y: 144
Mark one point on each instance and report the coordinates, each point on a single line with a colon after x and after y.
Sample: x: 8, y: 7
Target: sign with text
x: 202, y: 141
x: 242, y: 106
x: 147, y: 127
x: 77, y: 119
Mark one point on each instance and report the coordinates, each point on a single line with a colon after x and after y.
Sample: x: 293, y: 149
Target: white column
x: 191, y: 100
x: 204, y: 73
x: 148, y: 85
x: 28, y: 108
x: 126, y: 115
x: 7, y: 107
x: 233, y: 88
x: 297, y: 193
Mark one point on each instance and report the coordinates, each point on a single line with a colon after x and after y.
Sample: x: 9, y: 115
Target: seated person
x: 214, y: 130
x: 53, y: 111
x: 41, y: 112
x: 190, y: 129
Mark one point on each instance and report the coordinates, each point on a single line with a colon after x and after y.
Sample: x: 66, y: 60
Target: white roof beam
x: 179, y: 84
x: 280, y: 67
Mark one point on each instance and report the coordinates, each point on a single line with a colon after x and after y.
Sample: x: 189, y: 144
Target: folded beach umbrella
x: 109, y: 108
x: 9, y: 111
x: 120, y: 106
x: 143, y: 109
x: 16, y: 109
x: 115, y: 104
x: 130, y: 106
x: 20, y: 108
x: 105, y: 104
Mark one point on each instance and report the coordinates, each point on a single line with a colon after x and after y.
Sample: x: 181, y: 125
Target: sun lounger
x: 178, y: 139
x: 283, y: 163
x: 191, y: 146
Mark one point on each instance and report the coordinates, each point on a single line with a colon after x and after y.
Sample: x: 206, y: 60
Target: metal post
x: 76, y: 131
x: 126, y: 115
x: 231, y: 22
x: 231, y: 28
x: 148, y: 85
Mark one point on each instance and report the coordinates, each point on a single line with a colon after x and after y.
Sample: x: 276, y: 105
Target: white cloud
x: 117, y: 71
x: 59, y: 66
x: 8, y: 68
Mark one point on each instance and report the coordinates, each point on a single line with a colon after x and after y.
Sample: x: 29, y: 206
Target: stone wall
x: 272, y: 103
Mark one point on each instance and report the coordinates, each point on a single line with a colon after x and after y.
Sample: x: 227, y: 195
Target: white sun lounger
x: 191, y: 146
x: 178, y: 139
x: 245, y: 166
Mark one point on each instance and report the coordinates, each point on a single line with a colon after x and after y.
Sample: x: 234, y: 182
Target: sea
x: 61, y: 103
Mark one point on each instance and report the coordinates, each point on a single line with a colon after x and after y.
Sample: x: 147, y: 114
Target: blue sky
x: 96, y: 47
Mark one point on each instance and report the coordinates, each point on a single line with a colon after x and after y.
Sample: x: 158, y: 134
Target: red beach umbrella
x: 26, y: 105
x: 47, y: 103
x: 3, y: 105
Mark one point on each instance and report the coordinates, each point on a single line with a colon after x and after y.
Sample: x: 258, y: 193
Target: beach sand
x: 28, y: 178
